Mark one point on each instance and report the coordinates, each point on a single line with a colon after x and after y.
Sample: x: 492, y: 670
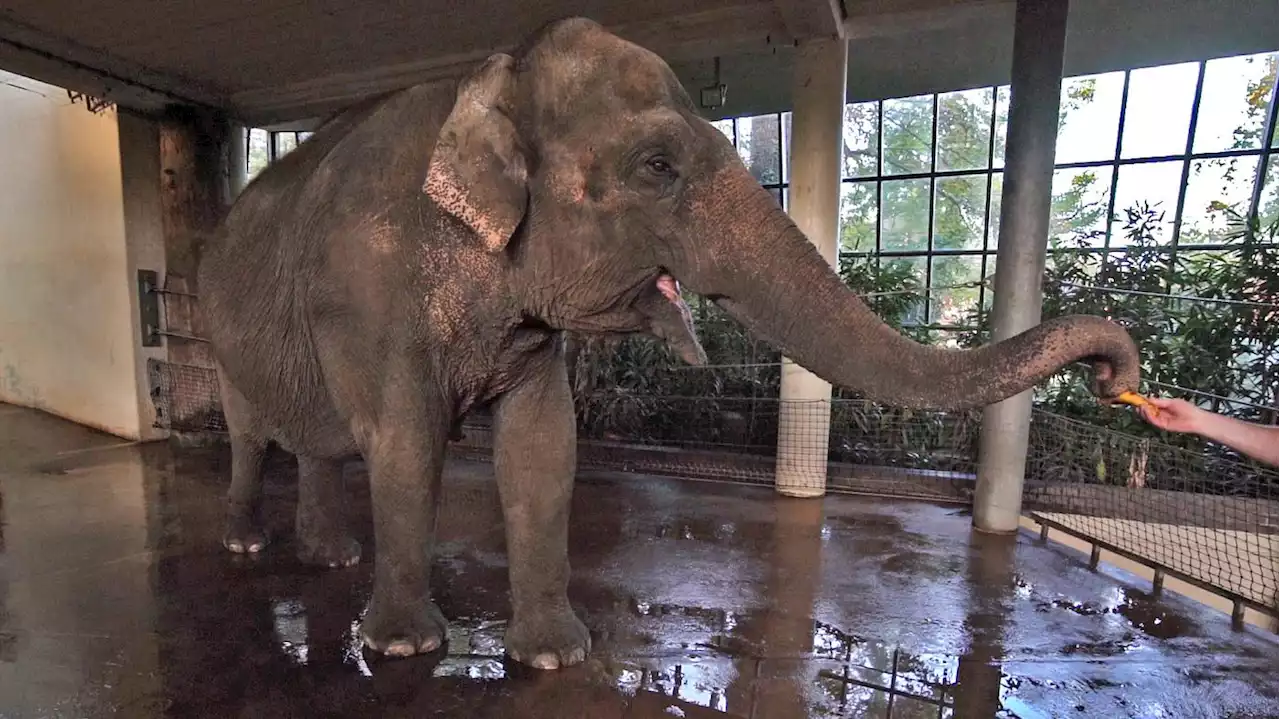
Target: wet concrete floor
x: 704, y: 600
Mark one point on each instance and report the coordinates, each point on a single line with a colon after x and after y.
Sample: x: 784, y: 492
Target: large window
x: 923, y: 175
x: 265, y: 147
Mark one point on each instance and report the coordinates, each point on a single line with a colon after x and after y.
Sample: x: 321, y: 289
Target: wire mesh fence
x: 185, y: 397
x: 1205, y: 516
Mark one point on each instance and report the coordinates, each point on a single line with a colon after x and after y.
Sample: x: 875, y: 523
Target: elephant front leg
x: 405, y: 455
x: 534, y: 459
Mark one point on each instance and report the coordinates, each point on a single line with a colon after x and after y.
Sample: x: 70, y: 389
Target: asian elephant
x: 424, y: 251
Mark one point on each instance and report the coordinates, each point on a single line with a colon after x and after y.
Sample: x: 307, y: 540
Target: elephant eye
x: 660, y: 166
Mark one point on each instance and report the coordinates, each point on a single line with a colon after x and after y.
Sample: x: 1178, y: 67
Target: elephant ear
x: 478, y: 171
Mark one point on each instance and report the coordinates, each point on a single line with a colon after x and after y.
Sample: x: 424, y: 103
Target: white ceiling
x: 282, y: 60
x: 285, y: 57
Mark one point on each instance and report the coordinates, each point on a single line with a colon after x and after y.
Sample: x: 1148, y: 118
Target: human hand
x: 1173, y: 415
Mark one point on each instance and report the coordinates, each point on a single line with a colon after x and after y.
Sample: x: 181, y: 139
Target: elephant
x: 425, y: 252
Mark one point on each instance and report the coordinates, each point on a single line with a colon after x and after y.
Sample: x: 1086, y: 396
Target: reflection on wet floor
x: 703, y: 600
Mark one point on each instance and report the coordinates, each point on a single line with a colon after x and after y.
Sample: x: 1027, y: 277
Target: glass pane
x: 1158, y: 115
x: 993, y: 219
x: 786, y: 147
x: 1089, y: 119
x: 285, y: 142
x: 1233, y: 104
x: 1079, y: 208
x: 786, y: 199
x: 951, y: 302
x: 1146, y: 199
x: 951, y: 340
x: 777, y: 195
x: 960, y: 212
x: 1002, y: 125
x: 964, y: 129
x: 760, y: 147
x: 990, y: 278
x: 904, y: 221
x: 908, y: 132
x: 1218, y: 195
x: 1269, y: 207
x: 725, y: 127
x: 913, y: 267
x: 858, y: 217
x: 861, y: 139
x: 258, y: 152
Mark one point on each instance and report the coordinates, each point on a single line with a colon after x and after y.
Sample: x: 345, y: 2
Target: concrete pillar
x: 194, y: 192
x: 144, y: 241
x: 1039, y: 36
x: 804, y: 416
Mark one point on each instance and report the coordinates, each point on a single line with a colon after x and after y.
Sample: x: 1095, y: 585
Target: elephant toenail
x: 400, y: 648
x: 576, y: 656
x: 430, y: 644
x: 546, y: 661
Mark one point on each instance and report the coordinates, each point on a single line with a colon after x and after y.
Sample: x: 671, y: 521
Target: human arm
x: 1261, y: 442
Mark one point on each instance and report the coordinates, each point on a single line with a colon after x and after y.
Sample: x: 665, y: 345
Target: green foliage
x: 1228, y: 350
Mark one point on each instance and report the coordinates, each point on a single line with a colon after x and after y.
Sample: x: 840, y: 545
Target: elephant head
x: 582, y: 160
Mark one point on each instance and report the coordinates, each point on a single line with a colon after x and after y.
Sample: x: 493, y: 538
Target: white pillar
x: 1039, y: 35
x: 237, y: 162
x: 817, y: 124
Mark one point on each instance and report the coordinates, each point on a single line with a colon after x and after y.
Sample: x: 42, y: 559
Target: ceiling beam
x: 31, y: 52
x: 812, y: 18
x: 879, y: 18
x: 686, y: 37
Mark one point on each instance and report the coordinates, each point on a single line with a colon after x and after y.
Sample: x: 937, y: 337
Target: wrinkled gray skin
x: 423, y: 253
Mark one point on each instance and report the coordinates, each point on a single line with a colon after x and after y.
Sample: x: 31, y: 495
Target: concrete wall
x: 68, y: 326
x: 977, y: 50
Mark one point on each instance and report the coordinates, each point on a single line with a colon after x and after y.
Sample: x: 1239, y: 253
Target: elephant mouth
x: 671, y: 320
x: 670, y: 288
x: 653, y: 306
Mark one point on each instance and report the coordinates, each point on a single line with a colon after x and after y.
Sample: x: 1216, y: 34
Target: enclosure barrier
x: 1205, y: 519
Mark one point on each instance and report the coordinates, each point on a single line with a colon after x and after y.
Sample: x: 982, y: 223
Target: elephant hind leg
x: 244, y: 532
x: 321, y: 528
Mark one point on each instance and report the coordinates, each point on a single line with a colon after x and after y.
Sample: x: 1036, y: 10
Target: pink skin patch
x: 669, y: 288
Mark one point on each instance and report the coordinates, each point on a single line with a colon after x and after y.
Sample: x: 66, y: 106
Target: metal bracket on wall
x: 149, y: 308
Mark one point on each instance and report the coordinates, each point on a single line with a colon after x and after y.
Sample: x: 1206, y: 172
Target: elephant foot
x: 331, y: 550
x: 549, y: 639
x: 243, y: 534
x: 397, y: 630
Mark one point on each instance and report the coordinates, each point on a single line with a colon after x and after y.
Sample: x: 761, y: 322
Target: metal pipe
x: 1039, y: 36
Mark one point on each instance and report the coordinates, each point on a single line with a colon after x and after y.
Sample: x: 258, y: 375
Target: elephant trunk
x: 757, y: 265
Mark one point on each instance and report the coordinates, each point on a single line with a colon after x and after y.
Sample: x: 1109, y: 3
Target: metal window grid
x: 1264, y: 154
